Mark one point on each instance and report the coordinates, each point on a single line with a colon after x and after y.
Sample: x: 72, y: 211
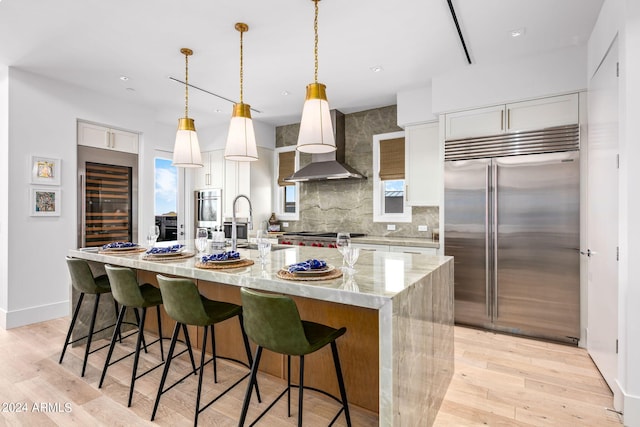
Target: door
x: 602, y: 218
x: 169, y: 194
x: 466, y: 238
x: 537, y: 239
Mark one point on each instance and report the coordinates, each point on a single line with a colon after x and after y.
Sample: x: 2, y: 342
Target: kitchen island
x: 397, y: 354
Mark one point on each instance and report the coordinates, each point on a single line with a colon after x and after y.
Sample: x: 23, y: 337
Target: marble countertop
x: 379, y: 276
x: 398, y: 241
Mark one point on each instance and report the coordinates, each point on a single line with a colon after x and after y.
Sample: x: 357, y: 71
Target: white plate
x: 225, y: 261
x: 128, y: 248
x: 329, y: 268
x: 167, y: 254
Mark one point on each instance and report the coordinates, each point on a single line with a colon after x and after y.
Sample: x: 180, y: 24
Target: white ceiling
x: 91, y: 43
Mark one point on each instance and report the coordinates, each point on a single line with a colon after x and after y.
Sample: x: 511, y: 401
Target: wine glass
x: 343, y: 240
x: 264, y: 247
x: 351, y: 255
x: 202, y: 234
x: 152, y: 235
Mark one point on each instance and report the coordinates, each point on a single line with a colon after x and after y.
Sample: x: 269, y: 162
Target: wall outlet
x: 285, y: 224
x: 391, y: 227
x: 423, y: 228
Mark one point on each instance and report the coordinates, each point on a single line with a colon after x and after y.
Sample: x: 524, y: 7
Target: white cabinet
x: 473, y: 123
x: 413, y: 250
x: 370, y: 247
x: 237, y: 180
x: 423, y: 166
x: 211, y: 175
x: 542, y: 113
x: 403, y: 249
x: 106, y: 138
x: 515, y: 117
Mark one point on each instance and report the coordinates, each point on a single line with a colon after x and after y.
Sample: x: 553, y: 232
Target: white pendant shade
x: 316, y: 130
x: 241, y: 140
x: 186, y: 151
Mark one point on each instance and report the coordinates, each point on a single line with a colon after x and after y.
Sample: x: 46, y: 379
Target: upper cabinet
x: 515, y: 117
x: 106, y: 138
x: 211, y: 175
x: 423, y: 165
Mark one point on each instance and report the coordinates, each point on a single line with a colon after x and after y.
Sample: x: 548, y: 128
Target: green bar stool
x: 184, y: 304
x: 273, y: 322
x: 129, y: 294
x: 83, y: 281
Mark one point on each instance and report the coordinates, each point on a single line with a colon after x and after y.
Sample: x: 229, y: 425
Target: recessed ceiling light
x: 376, y: 68
x: 130, y: 89
x: 518, y: 32
x: 124, y: 78
x: 284, y: 93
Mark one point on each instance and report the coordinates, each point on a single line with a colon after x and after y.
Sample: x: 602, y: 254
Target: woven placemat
x: 180, y: 257
x: 214, y: 266
x: 333, y: 274
x: 122, y: 251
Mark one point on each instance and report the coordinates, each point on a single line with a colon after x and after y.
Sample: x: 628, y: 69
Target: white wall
x: 480, y: 85
x: 414, y: 106
x: 4, y: 189
x: 622, y: 18
x: 42, y: 121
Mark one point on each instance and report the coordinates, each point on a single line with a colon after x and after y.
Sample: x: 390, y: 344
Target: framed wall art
x: 44, y: 201
x: 45, y: 170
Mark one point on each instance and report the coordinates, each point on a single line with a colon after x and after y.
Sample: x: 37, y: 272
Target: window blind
x: 286, y: 167
x: 392, y: 159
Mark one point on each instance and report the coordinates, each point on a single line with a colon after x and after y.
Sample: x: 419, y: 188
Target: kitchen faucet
x: 234, y: 231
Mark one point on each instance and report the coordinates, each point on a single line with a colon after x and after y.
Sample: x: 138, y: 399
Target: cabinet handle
x: 207, y: 179
x: 406, y: 192
x: 502, y: 120
x: 509, y: 118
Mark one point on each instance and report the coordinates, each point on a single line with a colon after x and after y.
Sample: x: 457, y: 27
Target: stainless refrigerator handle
x: 487, y: 247
x: 83, y: 211
x: 495, y: 241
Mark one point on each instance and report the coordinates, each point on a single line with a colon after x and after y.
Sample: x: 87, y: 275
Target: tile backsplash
x: 347, y: 205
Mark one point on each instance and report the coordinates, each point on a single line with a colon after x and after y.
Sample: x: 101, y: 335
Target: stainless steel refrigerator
x: 512, y: 225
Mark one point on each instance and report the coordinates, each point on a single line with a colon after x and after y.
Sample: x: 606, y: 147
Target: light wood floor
x: 499, y: 381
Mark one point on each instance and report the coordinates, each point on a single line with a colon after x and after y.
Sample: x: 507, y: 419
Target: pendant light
x: 186, y: 151
x: 241, y: 140
x: 316, y: 131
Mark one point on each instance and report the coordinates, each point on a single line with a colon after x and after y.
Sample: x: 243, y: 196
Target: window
x: 166, y: 187
x: 287, y: 193
x: 389, y: 179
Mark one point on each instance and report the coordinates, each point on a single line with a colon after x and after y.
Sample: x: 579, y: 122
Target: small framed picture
x: 45, y: 170
x: 45, y: 201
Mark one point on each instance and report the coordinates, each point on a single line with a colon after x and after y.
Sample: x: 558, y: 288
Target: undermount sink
x: 274, y: 247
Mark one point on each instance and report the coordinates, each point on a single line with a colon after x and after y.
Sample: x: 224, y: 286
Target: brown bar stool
x: 184, y: 304
x: 129, y: 294
x: 273, y: 322
x: 83, y: 281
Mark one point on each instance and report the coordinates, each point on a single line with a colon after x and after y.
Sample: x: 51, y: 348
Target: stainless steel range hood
x: 329, y: 165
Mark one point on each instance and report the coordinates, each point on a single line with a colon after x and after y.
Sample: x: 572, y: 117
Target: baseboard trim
x: 27, y: 316
x: 631, y: 410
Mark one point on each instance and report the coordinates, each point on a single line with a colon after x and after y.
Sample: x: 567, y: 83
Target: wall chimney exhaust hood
x: 329, y: 165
